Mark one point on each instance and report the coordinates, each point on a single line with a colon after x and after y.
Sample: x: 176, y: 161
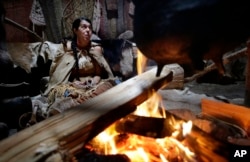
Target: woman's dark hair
x: 76, y: 25
x: 77, y: 22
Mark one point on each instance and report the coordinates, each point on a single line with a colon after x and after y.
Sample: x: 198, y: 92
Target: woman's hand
x: 96, y: 80
x: 87, y: 83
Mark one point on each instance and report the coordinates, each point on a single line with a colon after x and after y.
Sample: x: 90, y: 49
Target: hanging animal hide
x: 36, y: 14
x: 96, y: 17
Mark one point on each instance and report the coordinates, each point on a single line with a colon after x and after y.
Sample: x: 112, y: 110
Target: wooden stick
x: 73, y: 128
x: 228, y: 57
x: 11, y: 22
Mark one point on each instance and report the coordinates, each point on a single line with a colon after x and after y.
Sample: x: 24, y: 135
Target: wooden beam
x: 71, y: 129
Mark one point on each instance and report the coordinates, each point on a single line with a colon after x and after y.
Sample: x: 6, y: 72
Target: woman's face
x: 84, y: 31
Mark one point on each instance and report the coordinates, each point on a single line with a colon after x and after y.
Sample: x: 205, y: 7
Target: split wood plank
x: 234, y: 114
x: 71, y: 129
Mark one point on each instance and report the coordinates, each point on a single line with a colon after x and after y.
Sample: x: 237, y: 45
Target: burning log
x: 146, y: 126
x: 209, y: 144
x: 165, y: 127
x: 215, y: 127
x: 73, y: 128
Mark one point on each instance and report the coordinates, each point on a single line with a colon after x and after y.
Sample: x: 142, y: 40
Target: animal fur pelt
x: 25, y: 55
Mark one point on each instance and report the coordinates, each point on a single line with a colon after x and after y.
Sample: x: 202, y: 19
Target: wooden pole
x: 71, y: 129
x: 11, y: 22
x: 247, y: 92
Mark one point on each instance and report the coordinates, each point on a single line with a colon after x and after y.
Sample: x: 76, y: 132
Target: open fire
x: 141, y: 148
x: 145, y: 148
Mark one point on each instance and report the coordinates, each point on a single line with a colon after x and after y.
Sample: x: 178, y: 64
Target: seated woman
x: 78, y: 72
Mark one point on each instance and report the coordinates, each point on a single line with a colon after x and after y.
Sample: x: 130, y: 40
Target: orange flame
x: 151, y: 106
x: 141, y: 62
